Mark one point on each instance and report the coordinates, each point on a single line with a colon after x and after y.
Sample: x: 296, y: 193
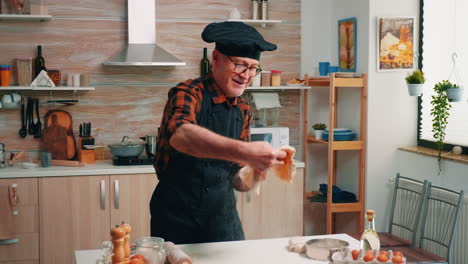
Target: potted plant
x: 318, y: 130
x: 440, y: 114
x: 415, y: 82
x: 455, y: 93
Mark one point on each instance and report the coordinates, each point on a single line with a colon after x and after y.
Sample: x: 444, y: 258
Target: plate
x: 29, y: 165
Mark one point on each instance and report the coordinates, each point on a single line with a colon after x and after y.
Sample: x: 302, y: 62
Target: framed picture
x: 395, y: 43
x: 347, y: 44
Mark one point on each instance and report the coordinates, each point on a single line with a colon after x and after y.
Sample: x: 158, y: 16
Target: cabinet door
x: 276, y: 212
x: 25, y: 224
x: 72, y: 216
x: 130, y: 198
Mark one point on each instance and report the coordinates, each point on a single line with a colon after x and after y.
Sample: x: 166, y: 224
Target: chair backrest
x: 440, y: 216
x: 407, y: 204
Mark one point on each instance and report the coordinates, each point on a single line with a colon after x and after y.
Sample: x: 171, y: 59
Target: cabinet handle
x: 117, y: 194
x: 9, y: 241
x: 249, y: 196
x: 14, y: 199
x: 103, y: 194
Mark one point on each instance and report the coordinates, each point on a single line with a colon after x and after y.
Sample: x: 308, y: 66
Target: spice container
x: 255, y: 9
x: 5, y: 74
x: 264, y: 9
x: 24, y: 66
x: 265, y: 78
x: 275, y: 78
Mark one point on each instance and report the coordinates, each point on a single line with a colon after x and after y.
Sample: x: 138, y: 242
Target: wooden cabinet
x: 276, y: 212
x: 78, y: 212
x: 132, y: 202
x: 25, y: 224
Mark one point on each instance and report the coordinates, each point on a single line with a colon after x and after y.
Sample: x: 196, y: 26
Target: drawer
x: 27, y: 248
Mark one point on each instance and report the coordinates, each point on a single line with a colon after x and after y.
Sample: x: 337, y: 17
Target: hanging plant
x: 415, y: 81
x: 440, y: 114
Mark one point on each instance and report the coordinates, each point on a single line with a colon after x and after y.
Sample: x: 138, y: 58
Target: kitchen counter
x: 237, y: 252
x: 99, y: 168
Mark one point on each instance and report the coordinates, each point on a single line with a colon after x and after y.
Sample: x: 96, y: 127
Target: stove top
x: 132, y: 161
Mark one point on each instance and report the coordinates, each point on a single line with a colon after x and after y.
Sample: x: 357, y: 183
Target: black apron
x: 194, y: 201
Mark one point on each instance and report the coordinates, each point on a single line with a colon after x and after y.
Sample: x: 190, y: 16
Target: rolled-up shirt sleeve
x: 182, y: 108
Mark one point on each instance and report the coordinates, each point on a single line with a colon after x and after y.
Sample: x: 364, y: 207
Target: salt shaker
x: 255, y: 9
x: 264, y: 9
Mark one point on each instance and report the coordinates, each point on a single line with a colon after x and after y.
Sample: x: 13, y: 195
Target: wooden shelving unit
x: 286, y: 87
x: 333, y: 146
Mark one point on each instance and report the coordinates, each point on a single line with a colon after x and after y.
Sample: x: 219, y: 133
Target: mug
x: 323, y: 68
x: 46, y: 159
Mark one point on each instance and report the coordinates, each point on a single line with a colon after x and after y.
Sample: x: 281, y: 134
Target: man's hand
x: 260, y: 155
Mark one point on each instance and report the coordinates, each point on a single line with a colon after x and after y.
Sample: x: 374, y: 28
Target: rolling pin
x: 68, y: 163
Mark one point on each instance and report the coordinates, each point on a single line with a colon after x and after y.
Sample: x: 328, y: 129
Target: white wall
x: 392, y: 114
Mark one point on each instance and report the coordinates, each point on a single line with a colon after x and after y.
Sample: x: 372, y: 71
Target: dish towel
x: 285, y: 172
x: 6, y: 213
x: 175, y: 255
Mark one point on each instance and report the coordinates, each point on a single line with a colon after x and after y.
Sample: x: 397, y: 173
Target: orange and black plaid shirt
x: 182, y: 107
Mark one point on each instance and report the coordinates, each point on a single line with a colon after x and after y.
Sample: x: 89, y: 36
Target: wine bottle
x: 204, y: 63
x: 370, y: 239
x: 39, y: 62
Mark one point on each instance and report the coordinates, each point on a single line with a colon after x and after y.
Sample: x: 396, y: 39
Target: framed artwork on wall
x: 395, y: 42
x: 347, y: 44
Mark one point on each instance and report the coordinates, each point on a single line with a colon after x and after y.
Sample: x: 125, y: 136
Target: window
x: 442, y: 33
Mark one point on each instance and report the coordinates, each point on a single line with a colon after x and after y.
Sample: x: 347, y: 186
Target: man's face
x: 223, y: 69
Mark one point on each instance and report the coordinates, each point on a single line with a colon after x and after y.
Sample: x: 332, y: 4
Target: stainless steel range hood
x: 142, y: 49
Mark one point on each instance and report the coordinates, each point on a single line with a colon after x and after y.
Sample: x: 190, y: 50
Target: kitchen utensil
x: 58, y: 135
x: 23, y: 132
x: 150, y: 145
x: 323, y: 249
x: 126, y: 149
x: 29, y: 114
x: 15, y: 158
x: 38, y: 125
x: 67, y: 163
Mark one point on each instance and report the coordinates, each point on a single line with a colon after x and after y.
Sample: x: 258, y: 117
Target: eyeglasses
x: 241, y: 68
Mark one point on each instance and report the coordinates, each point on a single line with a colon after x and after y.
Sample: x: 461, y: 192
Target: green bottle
x: 39, y: 62
x: 204, y: 63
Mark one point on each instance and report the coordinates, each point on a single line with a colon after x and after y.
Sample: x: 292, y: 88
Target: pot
x: 126, y: 149
x: 323, y: 249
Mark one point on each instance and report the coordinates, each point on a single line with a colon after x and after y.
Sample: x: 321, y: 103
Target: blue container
x: 323, y: 68
x: 340, y: 135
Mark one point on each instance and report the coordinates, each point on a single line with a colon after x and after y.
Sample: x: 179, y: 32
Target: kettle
x: 150, y: 145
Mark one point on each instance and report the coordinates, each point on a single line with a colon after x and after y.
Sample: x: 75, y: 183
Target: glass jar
x: 152, y: 248
x: 275, y: 78
x: 265, y: 78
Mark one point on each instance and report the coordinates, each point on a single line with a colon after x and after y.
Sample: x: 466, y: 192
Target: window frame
x: 423, y: 142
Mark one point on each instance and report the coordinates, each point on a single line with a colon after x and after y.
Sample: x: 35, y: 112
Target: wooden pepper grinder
x: 118, y: 239
x: 126, y: 245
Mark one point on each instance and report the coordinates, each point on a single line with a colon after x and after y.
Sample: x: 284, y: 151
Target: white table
x: 259, y: 251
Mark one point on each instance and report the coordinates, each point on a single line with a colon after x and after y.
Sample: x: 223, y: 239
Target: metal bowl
x: 323, y: 249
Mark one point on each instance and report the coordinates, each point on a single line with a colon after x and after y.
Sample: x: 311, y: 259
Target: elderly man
x: 203, y: 142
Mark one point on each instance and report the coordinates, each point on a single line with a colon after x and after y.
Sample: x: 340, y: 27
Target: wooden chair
x: 440, y: 216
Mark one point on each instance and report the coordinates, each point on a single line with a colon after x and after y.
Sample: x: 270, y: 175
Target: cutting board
x: 58, y: 135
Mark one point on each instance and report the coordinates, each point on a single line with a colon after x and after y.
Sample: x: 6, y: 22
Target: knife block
x: 85, y: 155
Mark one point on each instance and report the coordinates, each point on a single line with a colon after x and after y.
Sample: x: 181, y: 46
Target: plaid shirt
x: 182, y: 107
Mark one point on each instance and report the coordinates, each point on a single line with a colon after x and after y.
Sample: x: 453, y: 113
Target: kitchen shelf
x: 256, y: 21
x: 57, y: 88
x: 286, y: 87
x: 25, y: 17
x: 338, y: 145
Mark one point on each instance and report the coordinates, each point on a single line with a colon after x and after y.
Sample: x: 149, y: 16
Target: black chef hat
x: 236, y: 39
